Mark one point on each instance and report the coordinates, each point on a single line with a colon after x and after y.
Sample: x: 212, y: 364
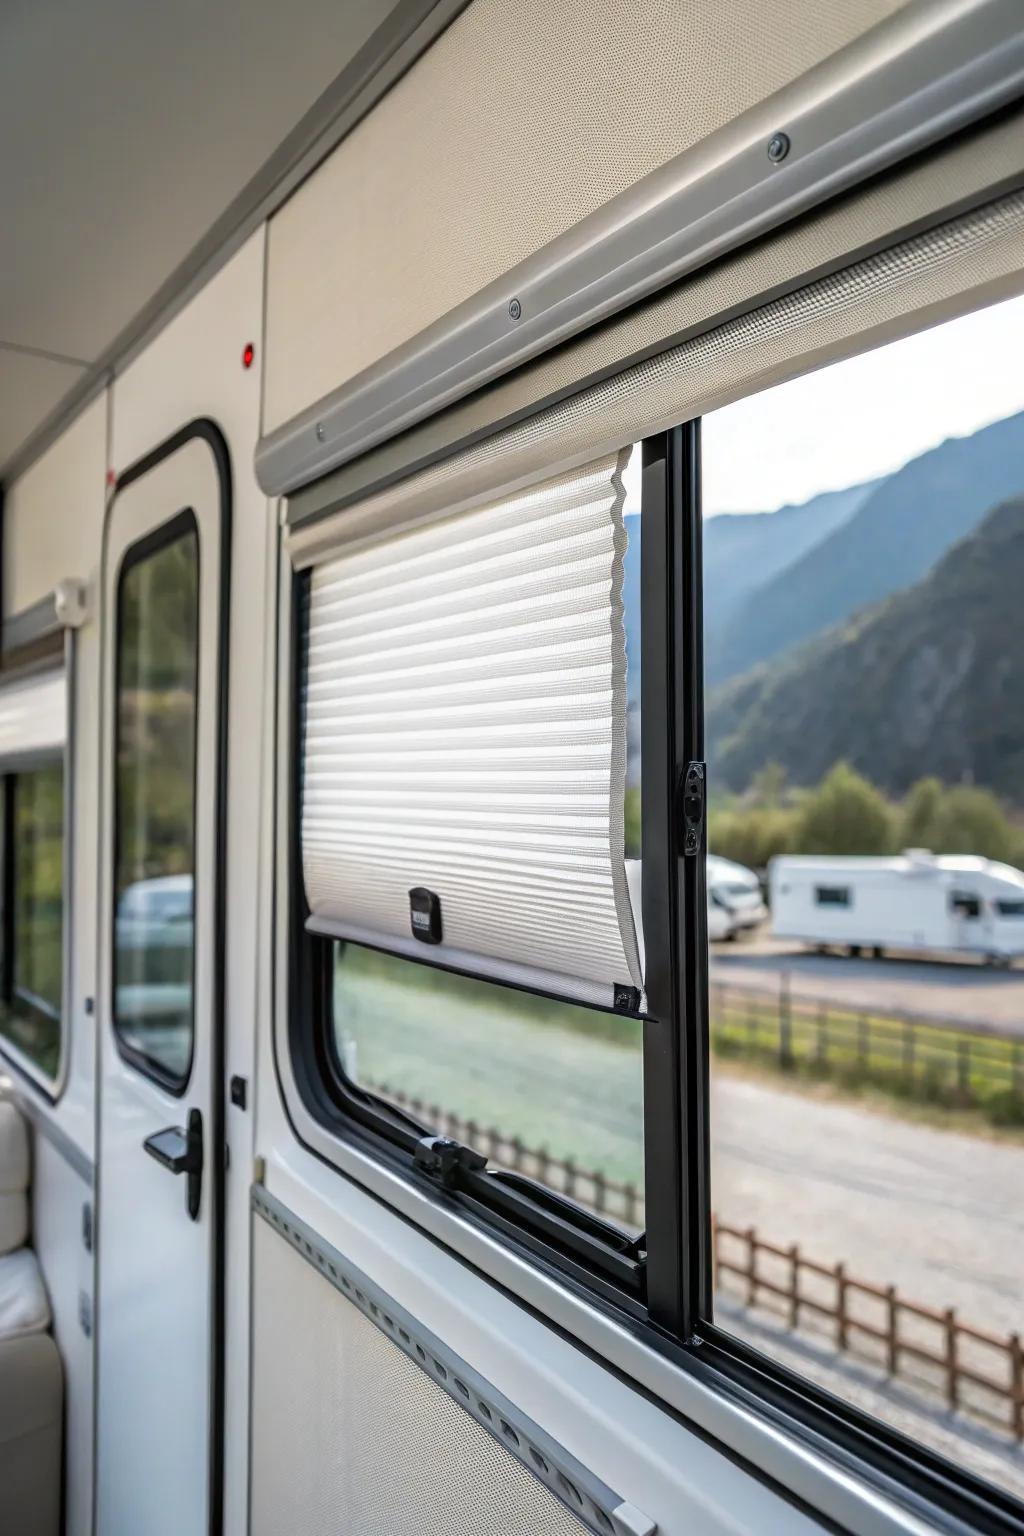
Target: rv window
x: 30, y: 1017
x: 863, y: 561
x: 503, y: 1027
x: 154, y: 794
x: 833, y: 895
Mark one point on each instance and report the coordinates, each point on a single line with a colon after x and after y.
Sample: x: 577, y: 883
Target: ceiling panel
x: 128, y: 129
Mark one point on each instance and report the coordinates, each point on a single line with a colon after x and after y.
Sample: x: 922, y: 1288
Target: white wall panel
x: 53, y: 515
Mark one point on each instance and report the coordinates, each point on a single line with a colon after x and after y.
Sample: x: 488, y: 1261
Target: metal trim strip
x: 931, y: 69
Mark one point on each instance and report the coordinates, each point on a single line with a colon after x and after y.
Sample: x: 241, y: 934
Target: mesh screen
x: 350, y: 1438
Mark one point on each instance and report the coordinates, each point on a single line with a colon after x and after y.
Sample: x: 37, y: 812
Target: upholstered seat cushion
x: 24, y: 1305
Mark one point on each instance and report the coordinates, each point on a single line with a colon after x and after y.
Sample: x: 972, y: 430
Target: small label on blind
x: 425, y: 915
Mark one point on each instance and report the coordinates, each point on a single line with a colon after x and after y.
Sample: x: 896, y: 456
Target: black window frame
x: 672, y: 1308
x: 833, y: 896
x: 11, y: 995
x: 966, y: 904
x: 181, y: 525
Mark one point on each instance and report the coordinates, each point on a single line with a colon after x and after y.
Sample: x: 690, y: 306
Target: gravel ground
x: 963, y: 990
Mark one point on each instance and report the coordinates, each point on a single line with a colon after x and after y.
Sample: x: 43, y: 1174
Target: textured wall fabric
x: 504, y: 135
x: 465, y: 731
x: 350, y: 1436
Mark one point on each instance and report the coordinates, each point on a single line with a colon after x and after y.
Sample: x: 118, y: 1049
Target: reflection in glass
x: 155, y: 806
x: 32, y: 1011
x: 550, y: 1088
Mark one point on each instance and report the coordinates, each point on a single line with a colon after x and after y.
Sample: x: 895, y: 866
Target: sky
x: 858, y: 419
x: 866, y: 416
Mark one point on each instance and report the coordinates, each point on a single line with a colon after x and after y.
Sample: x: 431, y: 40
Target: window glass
x: 34, y: 972
x: 549, y: 1088
x: 155, y: 806
x: 864, y: 560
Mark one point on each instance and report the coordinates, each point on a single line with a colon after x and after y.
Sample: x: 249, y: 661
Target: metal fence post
x: 794, y: 1285
x: 751, y: 1266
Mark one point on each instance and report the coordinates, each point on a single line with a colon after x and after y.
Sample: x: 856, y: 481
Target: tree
x: 845, y: 814
x: 971, y: 820
x: 920, y: 814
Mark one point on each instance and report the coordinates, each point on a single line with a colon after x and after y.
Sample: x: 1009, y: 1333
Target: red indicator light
x: 248, y: 354
x: 111, y: 477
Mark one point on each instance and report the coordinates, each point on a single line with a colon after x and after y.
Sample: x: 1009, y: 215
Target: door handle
x: 181, y: 1151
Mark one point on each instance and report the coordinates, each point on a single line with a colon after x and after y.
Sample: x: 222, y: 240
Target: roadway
x: 961, y: 990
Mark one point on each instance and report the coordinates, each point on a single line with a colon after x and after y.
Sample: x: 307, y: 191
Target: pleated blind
x: 33, y: 718
x: 465, y: 739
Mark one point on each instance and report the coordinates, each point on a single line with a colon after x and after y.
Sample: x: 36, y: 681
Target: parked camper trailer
x: 735, y: 899
x: 917, y: 901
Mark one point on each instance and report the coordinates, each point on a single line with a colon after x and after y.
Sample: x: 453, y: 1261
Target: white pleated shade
x: 33, y: 717
x: 465, y: 732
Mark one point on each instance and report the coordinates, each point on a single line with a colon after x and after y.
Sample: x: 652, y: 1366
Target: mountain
x: 743, y: 550
x: 891, y: 540
x: 929, y: 681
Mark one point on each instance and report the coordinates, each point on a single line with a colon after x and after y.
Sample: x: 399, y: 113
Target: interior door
x: 161, y: 1155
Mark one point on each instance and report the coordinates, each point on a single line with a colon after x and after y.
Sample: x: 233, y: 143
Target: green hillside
x: 929, y: 681
x: 893, y: 538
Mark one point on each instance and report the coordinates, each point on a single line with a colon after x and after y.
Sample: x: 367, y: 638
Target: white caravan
x: 918, y: 901
x: 334, y: 337
x: 735, y: 900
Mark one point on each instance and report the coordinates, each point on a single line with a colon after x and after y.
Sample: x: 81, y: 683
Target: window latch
x: 692, y: 805
x: 444, y: 1159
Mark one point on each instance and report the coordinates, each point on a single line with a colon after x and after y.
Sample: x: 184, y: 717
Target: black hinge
x: 692, y: 808
x: 444, y: 1159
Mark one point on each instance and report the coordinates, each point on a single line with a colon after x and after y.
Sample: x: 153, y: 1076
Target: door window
x: 157, y: 654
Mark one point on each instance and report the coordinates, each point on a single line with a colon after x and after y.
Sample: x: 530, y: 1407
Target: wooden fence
x: 932, y: 1349
x: 944, y: 1061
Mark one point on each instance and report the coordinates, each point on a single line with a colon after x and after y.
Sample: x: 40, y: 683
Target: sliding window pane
x: 864, y: 564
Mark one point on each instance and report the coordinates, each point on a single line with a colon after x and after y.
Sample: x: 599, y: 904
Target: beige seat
x: 31, y: 1379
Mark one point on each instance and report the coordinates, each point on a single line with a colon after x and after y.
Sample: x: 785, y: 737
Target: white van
x: 940, y: 903
x: 735, y: 899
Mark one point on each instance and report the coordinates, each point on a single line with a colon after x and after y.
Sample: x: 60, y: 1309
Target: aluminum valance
x: 464, y: 740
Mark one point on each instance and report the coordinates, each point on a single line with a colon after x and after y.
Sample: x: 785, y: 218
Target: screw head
x: 321, y: 431
x: 778, y: 147
x: 515, y: 309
